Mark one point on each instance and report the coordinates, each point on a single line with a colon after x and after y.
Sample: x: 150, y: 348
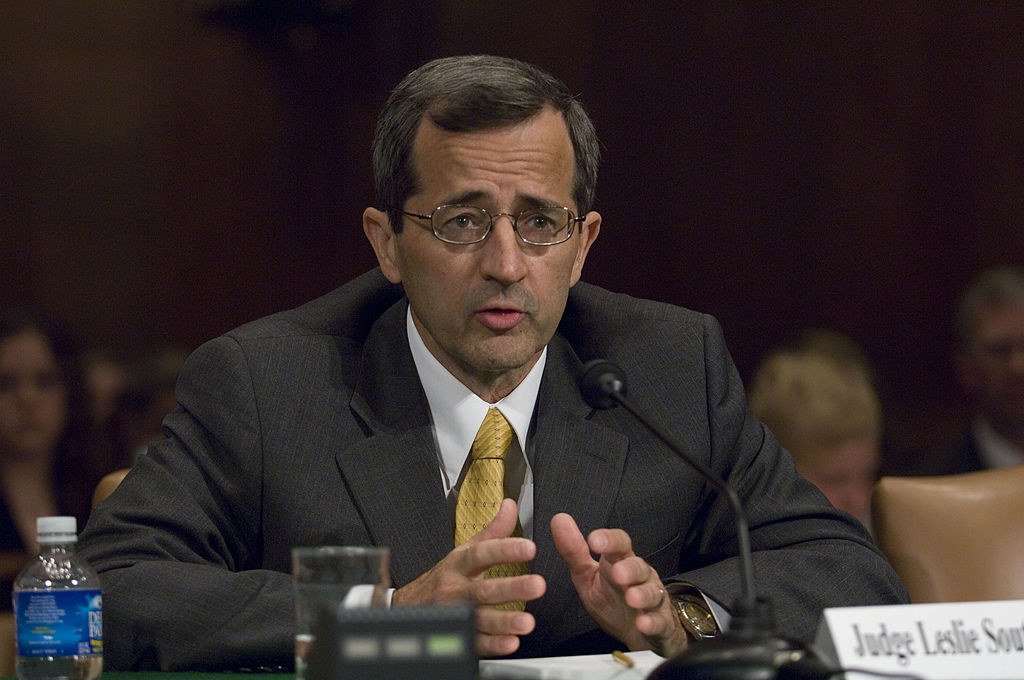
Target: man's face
x: 845, y: 473
x: 992, y: 368
x: 486, y: 310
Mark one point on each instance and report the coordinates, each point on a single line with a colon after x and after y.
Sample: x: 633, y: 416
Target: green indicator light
x: 445, y: 645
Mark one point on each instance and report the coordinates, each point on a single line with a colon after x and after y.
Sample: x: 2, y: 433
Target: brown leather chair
x: 106, y: 486
x: 6, y: 644
x: 11, y: 563
x: 954, y: 538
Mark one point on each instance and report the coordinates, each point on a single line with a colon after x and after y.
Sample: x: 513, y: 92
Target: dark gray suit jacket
x: 310, y: 427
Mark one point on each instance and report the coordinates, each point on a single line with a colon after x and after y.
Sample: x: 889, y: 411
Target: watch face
x: 697, y: 619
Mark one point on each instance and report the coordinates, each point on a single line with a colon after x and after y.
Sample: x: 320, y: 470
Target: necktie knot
x: 493, y: 438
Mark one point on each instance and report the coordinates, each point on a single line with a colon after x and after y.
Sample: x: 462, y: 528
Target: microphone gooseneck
x: 749, y: 650
x: 603, y: 386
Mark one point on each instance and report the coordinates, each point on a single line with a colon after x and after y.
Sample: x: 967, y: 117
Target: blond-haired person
x: 817, y: 396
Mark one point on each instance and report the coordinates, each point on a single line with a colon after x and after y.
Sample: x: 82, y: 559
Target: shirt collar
x: 995, y: 450
x: 457, y: 412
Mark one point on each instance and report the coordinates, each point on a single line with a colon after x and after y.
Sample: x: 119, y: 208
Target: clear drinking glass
x: 325, y: 576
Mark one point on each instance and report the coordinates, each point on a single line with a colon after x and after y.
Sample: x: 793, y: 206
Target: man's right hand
x: 459, y: 577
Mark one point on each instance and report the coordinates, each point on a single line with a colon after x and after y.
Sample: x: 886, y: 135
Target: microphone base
x: 731, y: 657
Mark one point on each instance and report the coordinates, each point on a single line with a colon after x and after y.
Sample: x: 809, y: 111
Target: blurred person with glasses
x: 351, y: 420
x: 989, y: 362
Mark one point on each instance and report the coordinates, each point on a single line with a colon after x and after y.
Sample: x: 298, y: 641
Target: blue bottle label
x: 59, y: 622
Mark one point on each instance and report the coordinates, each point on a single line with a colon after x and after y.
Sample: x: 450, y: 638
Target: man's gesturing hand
x: 620, y: 590
x: 460, y: 577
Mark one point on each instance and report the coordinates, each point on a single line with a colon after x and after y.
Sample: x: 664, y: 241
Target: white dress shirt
x: 994, y: 450
x: 457, y: 412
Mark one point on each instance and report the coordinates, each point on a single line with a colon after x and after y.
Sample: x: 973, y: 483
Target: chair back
x: 954, y: 538
x: 7, y: 642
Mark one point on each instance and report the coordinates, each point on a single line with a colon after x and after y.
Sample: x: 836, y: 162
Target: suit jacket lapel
x: 577, y: 465
x: 393, y: 474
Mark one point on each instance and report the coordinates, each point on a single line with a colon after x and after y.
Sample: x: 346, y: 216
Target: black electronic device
x: 404, y: 643
x: 750, y: 649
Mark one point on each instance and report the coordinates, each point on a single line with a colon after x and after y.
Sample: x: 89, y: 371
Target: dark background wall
x: 170, y: 169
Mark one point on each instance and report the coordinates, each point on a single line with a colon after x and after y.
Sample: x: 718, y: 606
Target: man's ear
x: 589, y: 229
x: 377, y: 228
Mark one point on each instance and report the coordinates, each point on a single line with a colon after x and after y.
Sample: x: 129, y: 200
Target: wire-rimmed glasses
x: 465, y: 224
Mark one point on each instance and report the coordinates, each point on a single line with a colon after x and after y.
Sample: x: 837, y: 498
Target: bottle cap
x: 56, y: 529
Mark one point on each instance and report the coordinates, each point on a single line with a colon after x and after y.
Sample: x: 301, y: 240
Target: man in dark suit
x: 990, y: 367
x: 349, y: 421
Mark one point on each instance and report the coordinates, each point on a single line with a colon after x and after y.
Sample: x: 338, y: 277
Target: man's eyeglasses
x: 465, y: 224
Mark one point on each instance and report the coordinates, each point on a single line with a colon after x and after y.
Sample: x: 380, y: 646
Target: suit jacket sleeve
x: 607, y: 470
x: 807, y: 555
x: 179, y: 551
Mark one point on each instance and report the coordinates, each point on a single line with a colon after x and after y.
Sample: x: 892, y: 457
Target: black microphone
x: 749, y: 650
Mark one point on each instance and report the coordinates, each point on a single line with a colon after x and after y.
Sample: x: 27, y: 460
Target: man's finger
x: 476, y: 557
x: 649, y: 596
x: 653, y: 624
x: 632, y: 571
x: 501, y: 590
x: 496, y: 645
x: 570, y: 543
x: 612, y: 544
x: 498, y: 630
x: 503, y: 524
x: 493, y: 621
x: 658, y: 597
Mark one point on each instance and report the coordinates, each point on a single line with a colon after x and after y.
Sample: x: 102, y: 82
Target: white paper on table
x: 585, y: 667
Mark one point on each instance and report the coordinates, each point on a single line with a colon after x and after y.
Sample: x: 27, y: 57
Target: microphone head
x: 599, y: 381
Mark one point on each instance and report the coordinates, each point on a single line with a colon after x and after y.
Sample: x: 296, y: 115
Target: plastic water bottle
x: 58, y: 609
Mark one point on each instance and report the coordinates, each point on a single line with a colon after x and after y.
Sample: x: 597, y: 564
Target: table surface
x: 161, y: 675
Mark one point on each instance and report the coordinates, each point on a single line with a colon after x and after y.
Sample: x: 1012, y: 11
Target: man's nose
x: 26, y: 391
x: 503, y: 252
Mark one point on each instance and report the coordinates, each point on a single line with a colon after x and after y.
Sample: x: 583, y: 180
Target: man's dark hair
x: 994, y: 287
x: 469, y: 93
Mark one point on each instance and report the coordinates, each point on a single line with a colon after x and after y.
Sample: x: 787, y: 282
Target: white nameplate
x: 942, y: 641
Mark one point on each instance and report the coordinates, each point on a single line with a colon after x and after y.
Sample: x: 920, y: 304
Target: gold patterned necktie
x: 483, y: 489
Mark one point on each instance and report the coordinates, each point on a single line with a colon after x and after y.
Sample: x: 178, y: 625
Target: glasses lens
x: 544, y: 225
x: 460, y: 223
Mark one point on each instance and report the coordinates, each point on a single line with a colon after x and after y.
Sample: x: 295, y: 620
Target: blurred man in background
x: 990, y: 367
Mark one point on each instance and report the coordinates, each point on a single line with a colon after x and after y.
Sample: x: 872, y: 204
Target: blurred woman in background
x: 817, y: 395
x: 47, y: 452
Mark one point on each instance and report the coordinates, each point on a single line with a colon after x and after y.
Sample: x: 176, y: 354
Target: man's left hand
x: 620, y: 590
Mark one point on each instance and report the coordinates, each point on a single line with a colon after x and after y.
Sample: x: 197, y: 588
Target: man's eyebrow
x: 536, y: 201
x: 475, y: 196
x: 467, y: 198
